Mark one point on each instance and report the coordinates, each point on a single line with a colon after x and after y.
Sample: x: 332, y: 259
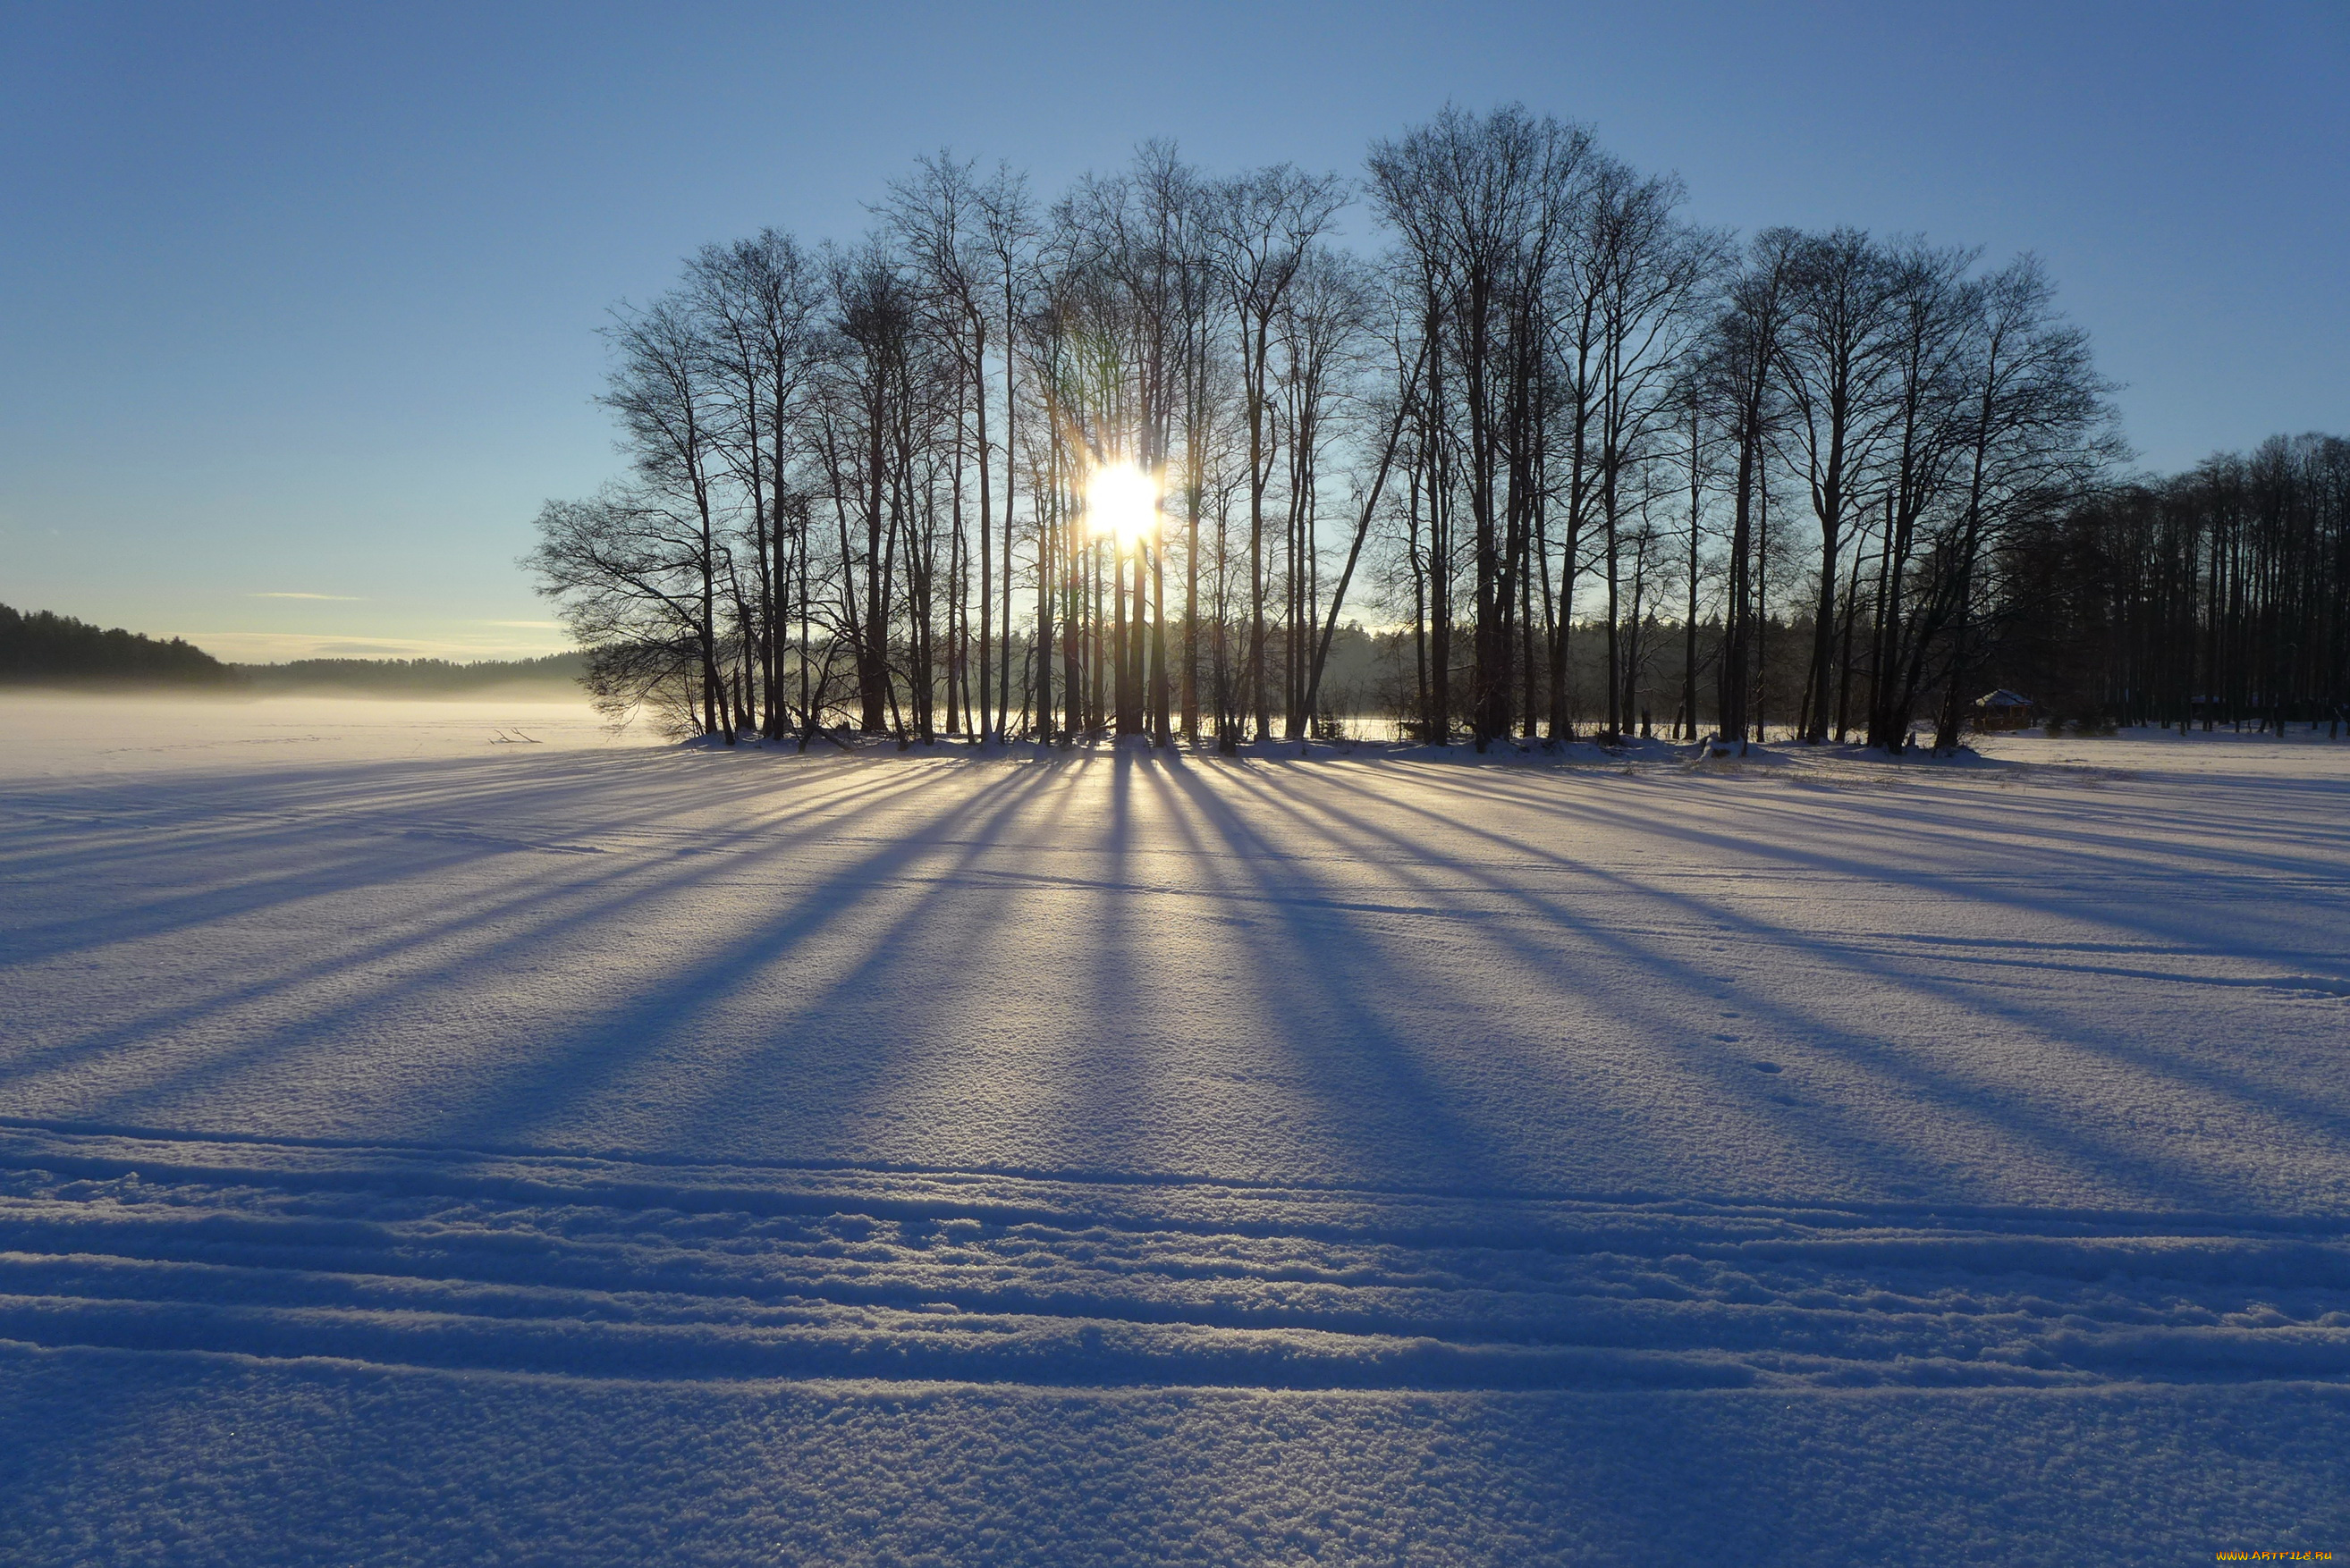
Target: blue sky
x: 301, y: 300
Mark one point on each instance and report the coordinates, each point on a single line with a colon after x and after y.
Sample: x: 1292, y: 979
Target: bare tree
x: 664, y: 388
x: 759, y: 302
x: 1741, y: 378
x: 1323, y: 323
x: 625, y: 568
x: 1837, y: 358
x: 1481, y: 205
x: 2039, y: 430
x: 1265, y: 223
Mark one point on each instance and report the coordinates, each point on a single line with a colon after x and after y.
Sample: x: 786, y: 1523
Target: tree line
x: 40, y: 647
x: 877, y: 485
x: 2219, y: 596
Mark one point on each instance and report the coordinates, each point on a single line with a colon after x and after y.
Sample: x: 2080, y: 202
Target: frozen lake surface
x: 446, y: 1132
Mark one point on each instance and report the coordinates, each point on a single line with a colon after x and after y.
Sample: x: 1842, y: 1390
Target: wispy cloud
x: 344, y: 598
x: 275, y: 647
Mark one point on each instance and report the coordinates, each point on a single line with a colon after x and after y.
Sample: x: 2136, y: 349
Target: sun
x: 1122, y: 502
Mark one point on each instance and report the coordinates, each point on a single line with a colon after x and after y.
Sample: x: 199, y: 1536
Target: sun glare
x: 1122, y: 502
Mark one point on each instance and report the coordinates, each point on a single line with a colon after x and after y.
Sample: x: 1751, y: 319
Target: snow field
x: 126, y: 1458
x: 609, y: 1269
x: 575, y: 1151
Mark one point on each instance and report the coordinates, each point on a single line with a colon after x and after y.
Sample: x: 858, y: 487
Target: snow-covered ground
x: 439, y: 1133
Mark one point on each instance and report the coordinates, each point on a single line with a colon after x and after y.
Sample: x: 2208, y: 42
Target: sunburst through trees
x: 1120, y: 462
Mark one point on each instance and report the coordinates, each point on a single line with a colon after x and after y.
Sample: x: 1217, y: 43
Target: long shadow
x: 521, y: 922
x: 2140, y: 833
x: 211, y: 903
x: 1957, y: 1097
x: 949, y: 948
x: 2009, y: 890
x: 2132, y: 832
x: 2207, y: 1074
x: 1323, y: 986
x: 571, y: 1070
x: 413, y: 871
x: 1325, y: 977
x: 2164, y: 1181
x: 1539, y: 964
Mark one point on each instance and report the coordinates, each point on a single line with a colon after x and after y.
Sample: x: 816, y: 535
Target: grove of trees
x: 1581, y: 465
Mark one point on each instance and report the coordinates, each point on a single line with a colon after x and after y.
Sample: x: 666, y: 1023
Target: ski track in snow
x: 340, y: 1035
x: 610, y: 1268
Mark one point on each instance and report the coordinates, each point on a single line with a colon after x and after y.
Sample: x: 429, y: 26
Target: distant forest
x: 414, y: 677
x: 1586, y: 466
x: 39, y: 648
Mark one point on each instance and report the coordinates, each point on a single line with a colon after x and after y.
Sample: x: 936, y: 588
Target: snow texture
x: 441, y: 1133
